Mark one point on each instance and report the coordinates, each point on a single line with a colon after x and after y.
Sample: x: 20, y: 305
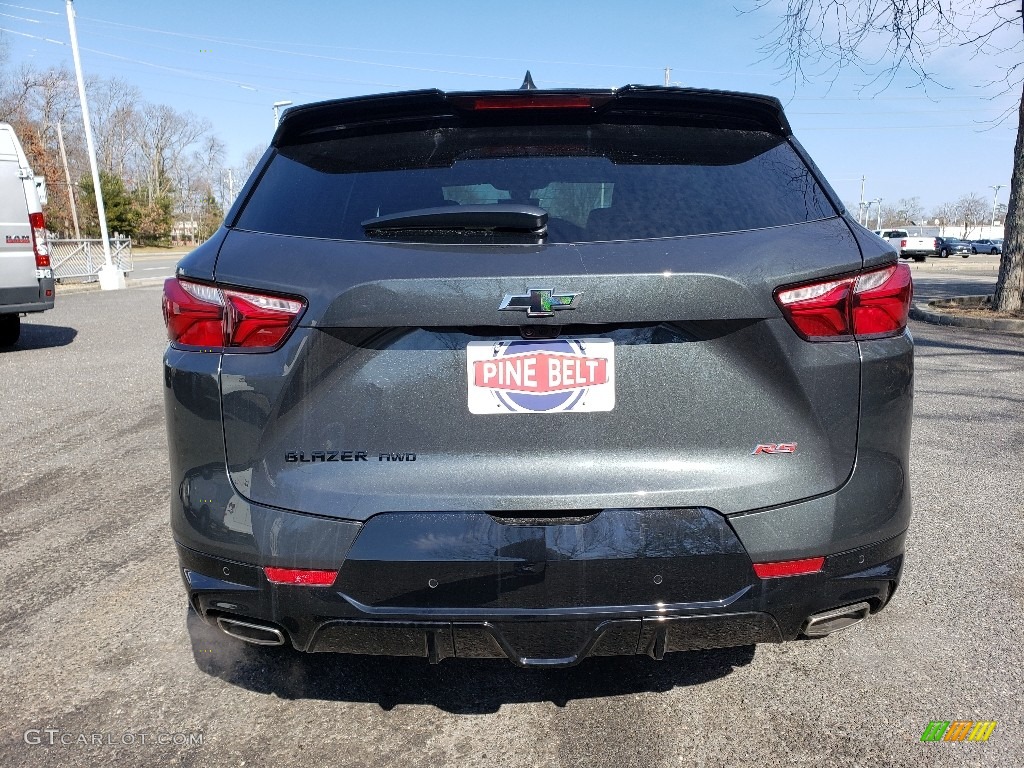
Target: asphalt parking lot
x: 96, y: 640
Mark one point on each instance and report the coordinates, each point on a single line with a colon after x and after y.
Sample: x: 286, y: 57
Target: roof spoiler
x: 753, y: 111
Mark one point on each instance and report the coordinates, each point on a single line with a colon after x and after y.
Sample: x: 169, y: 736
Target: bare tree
x: 832, y: 35
x: 163, y: 138
x: 35, y: 101
x: 196, y: 180
x: 969, y: 212
x: 945, y: 215
x: 908, y: 210
x: 250, y: 160
x: 166, y: 164
x: 230, y: 180
x: 114, y: 108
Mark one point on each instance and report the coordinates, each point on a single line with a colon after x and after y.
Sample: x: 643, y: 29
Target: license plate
x: 550, y: 376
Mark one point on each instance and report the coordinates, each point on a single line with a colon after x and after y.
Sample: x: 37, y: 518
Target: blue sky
x: 229, y: 60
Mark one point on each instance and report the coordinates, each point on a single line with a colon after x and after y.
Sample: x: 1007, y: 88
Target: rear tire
x: 944, y: 253
x: 965, y: 254
x: 10, y: 330
x: 919, y: 258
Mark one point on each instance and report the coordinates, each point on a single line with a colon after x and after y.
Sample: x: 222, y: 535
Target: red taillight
x: 881, y: 302
x: 258, y: 320
x: 193, y: 314
x: 213, y: 318
x: 557, y: 101
x: 903, y: 243
x: 872, y: 304
x: 789, y: 568
x: 39, y: 242
x: 300, y: 576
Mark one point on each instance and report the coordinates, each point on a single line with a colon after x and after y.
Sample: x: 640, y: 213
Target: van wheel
x: 10, y: 330
x: 919, y: 258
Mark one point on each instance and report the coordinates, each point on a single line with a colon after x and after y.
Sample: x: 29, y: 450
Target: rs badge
x: 774, y: 448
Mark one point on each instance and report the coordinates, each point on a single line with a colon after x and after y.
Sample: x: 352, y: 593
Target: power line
x: 250, y: 64
x: 232, y: 40
x: 176, y: 70
x: 250, y: 43
x: 25, y: 8
x: 20, y: 18
x: 317, y: 56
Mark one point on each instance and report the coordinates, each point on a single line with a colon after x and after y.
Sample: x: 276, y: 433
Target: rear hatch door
x: 631, y: 356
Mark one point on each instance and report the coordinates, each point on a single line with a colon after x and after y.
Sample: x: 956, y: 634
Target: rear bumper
x: 33, y: 298
x: 540, y: 598
x: 547, y: 595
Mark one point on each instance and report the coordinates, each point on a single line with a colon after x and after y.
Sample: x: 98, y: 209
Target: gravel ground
x: 97, y: 645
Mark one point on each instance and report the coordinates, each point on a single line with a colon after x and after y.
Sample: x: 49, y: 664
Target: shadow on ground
x: 968, y: 341
x: 37, y: 336
x: 461, y: 686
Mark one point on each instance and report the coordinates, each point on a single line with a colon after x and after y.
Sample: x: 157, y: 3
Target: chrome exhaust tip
x: 246, y: 631
x: 822, y: 624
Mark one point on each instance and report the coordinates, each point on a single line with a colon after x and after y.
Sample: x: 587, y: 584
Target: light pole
x: 277, y: 113
x: 111, y: 278
x: 878, y: 213
x: 860, y: 212
x: 995, y: 197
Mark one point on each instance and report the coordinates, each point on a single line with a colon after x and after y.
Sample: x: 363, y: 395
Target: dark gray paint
x: 330, y: 374
x: 365, y: 284
x: 706, y: 366
x: 386, y: 372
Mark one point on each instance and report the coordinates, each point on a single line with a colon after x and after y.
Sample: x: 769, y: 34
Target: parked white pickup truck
x: 915, y: 247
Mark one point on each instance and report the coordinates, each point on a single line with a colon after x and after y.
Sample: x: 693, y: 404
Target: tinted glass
x: 597, y: 182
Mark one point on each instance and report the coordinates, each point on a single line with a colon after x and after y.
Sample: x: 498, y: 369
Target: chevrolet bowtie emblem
x: 540, y: 302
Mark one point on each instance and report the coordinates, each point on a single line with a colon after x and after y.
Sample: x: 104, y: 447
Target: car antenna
x: 528, y: 84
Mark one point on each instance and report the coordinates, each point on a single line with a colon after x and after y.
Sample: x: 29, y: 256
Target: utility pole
x: 860, y: 210
x: 111, y: 278
x: 277, y: 114
x: 878, y: 216
x: 67, y: 179
x: 231, y: 188
x: 995, y: 197
x: 668, y: 76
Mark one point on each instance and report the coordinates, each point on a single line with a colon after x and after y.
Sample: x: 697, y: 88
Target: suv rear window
x: 597, y: 182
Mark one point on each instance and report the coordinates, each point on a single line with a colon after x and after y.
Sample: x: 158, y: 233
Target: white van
x: 26, y: 277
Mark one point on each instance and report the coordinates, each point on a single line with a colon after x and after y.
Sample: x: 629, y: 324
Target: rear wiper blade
x: 501, y: 217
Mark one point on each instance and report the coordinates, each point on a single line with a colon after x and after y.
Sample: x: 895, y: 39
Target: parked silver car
x: 987, y: 246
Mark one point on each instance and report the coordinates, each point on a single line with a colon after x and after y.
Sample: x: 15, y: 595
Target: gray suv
x: 538, y: 375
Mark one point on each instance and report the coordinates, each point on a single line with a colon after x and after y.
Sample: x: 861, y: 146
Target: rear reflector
x: 788, y: 568
x: 872, y: 304
x: 213, y: 319
x: 39, y: 242
x: 300, y: 576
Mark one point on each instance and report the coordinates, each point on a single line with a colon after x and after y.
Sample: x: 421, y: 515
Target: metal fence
x: 81, y: 260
